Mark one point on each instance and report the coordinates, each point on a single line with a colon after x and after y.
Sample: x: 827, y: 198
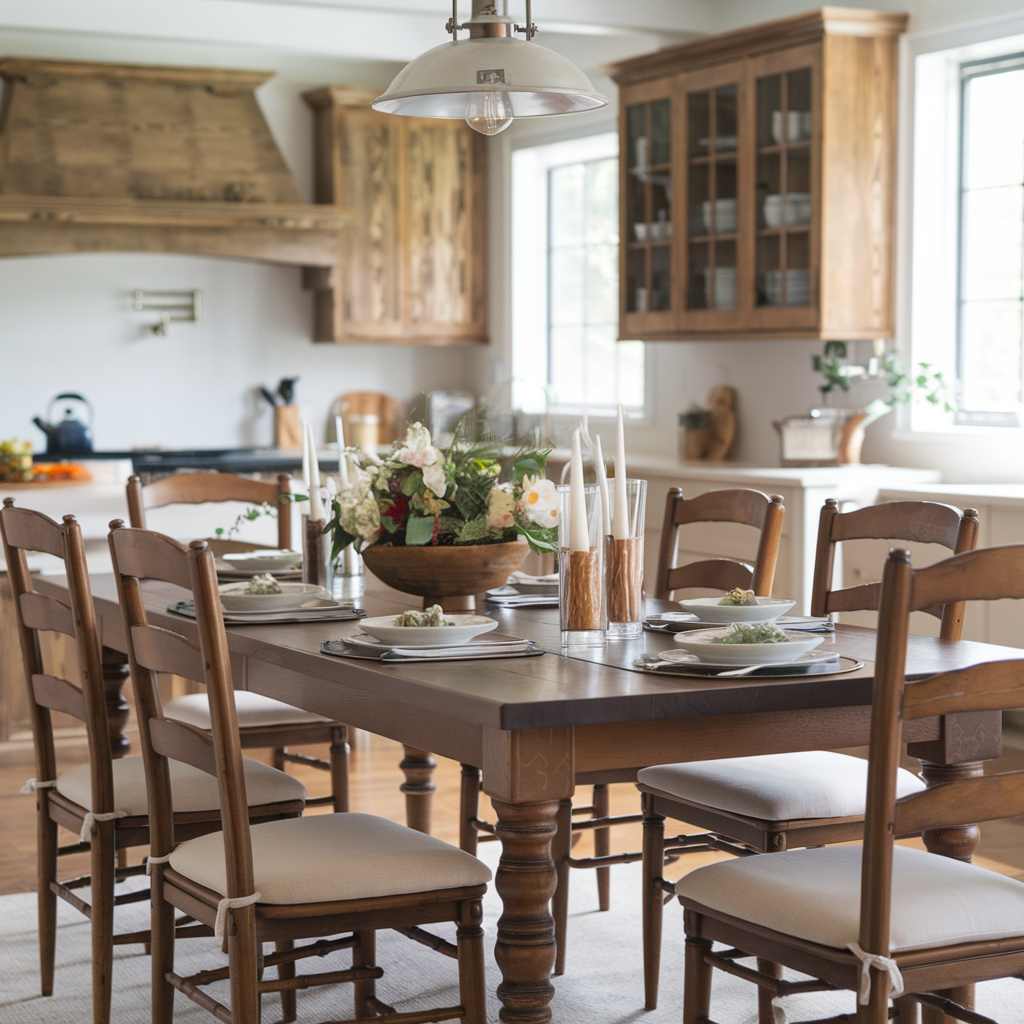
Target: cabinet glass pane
x: 698, y: 120
x: 637, y: 300
x: 700, y: 270
x: 722, y: 287
x: 661, y: 132
x: 725, y: 117
x: 699, y: 190
x: 661, y: 278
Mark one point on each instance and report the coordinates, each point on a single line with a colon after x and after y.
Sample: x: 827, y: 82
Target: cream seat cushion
x: 191, y: 789
x: 776, y: 787
x: 815, y: 895
x: 252, y: 709
x: 334, y: 857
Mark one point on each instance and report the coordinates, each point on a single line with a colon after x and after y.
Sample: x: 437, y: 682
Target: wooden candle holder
x: 624, y: 574
x: 314, y: 564
x: 582, y: 592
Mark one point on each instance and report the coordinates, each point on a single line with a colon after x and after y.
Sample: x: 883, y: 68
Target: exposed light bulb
x: 488, y: 112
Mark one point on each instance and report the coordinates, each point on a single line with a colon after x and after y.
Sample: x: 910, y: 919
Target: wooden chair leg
x: 46, y: 872
x: 162, y: 957
x: 364, y: 954
x: 560, y: 848
x: 696, y: 981
x: 277, y: 758
x: 653, y: 901
x: 908, y: 1011
x: 765, y: 1012
x: 472, y: 987
x: 288, y: 1010
x: 602, y: 845
x: 469, y: 808
x: 102, y: 860
x: 244, y: 962
x: 339, y: 770
x: 964, y: 995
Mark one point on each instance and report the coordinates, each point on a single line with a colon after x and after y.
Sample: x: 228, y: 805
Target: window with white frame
x: 565, y: 282
x: 968, y: 235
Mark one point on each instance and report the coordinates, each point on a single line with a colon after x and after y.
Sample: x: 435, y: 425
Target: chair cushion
x: 815, y: 895
x: 252, y: 709
x: 776, y: 787
x: 191, y: 789
x: 334, y: 857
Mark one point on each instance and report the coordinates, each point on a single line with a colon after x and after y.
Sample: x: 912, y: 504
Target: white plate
x: 267, y: 560
x: 699, y: 643
x: 767, y: 609
x: 466, y: 627
x: 293, y: 595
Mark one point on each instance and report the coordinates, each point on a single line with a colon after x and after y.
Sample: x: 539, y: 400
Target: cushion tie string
x: 778, y: 1013
x: 90, y: 819
x: 231, y: 904
x: 880, y: 963
x: 151, y: 860
x: 33, y: 784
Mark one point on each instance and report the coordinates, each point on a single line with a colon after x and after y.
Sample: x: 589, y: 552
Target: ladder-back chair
x: 882, y: 920
x: 730, y: 505
x: 926, y: 522
x: 775, y: 802
x: 103, y: 802
x: 319, y: 876
x: 264, y: 722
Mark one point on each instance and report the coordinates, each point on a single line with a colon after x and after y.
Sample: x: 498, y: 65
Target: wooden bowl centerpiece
x: 445, y: 574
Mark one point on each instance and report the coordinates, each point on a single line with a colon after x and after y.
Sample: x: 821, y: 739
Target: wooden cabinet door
x: 714, y: 141
x: 647, y: 202
x: 785, y: 210
x: 369, y: 184
x: 443, y: 213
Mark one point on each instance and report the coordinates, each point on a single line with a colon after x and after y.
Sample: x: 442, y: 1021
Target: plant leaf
x: 419, y: 530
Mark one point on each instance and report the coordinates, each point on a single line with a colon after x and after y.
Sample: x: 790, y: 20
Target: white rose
x: 419, y: 452
x: 501, y: 508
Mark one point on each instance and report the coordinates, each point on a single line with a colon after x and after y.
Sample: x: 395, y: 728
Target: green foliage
x: 541, y: 541
x: 250, y: 515
x: 419, y: 530
x: 529, y: 463
x: 473, y: 531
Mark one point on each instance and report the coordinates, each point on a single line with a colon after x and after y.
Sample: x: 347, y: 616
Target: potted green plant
x: 443, y: 524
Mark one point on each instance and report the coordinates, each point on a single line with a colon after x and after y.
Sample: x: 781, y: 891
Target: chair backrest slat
x: 986, y: 798
x: 728, y: 505
x: 925, y: 522
x: 199, y: 488
x: 157, y: 558
x: 975, y: 575
x: 989, y: 687
x: 183, y: 743
x: 718, y: 573
x: 59, y: 695
x: 163, y: 651
x: 40, y: 611
x: 23, y: 530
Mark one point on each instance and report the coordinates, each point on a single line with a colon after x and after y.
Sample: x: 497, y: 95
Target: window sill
x: 1011, y: 434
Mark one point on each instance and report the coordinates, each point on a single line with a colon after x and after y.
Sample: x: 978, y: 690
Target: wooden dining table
x: 538, y: 726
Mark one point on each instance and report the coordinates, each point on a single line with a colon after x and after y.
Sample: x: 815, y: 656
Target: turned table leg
x: 525, y: 881
x: 115, y: 673
x: 961, y: 841
x: 418, y: 767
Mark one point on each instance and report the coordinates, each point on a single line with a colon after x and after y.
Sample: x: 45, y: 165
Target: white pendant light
x: 491, y: 77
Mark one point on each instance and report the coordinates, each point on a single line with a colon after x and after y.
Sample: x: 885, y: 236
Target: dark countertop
x: 231, y: 460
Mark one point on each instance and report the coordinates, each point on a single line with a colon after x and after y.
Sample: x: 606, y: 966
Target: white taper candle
x: 579, y: 532
x: 316, y: 501
x: 305, y: 455
x: 602, y: 483
x: 339, y: 428
x: 620, y: 521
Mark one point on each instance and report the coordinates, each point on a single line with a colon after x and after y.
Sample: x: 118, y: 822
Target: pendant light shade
x: 490, y: 78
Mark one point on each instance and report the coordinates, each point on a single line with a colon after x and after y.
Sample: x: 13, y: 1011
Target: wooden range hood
x: 130, y: 158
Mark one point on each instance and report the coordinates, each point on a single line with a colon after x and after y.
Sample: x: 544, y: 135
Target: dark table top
x: 584, y: 687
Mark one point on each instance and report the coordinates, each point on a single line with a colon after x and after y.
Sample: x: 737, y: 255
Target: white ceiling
x: 395, y: 30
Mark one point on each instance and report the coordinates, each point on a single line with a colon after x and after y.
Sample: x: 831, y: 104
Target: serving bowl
x: 293, y: 595
x: 263, y: 560
x: 466, y: 627
x: 700, y: 643
x: 708, y: 609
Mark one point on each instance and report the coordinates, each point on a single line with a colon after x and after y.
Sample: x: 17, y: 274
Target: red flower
x: 397, y: 512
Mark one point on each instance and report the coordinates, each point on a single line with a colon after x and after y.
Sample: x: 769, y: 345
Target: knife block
x: 287, y: 427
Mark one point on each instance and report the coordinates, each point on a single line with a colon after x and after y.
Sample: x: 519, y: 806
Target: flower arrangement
x: 420, y: 495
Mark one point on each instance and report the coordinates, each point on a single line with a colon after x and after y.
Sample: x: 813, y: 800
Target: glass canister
x: 580, y: 603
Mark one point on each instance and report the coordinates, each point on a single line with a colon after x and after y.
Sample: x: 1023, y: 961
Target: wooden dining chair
x: 883, y: 920
x: 733, y: 505
x: 316, y: 876
x: 775, y: 802
x: 730, y: 505
x: 264, y: 722
x: 103, y: 802
x: 924, y: 522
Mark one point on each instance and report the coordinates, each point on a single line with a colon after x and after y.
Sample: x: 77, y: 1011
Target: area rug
x: 603, y: 983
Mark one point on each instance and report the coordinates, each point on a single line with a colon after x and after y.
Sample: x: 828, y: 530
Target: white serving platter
x: 709, y: 609
x: 293, y: 595
x: 701, y: 645
x: 466, y: 627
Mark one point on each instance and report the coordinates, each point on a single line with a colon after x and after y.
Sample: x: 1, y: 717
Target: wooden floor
x: 375, y: 779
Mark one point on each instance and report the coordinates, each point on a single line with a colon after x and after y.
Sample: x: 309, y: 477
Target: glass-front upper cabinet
x: 711, y: 108
x: 737, y: 221
x: 647, y: 300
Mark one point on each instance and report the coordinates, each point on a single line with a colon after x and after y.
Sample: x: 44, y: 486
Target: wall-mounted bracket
x: 175, y: 307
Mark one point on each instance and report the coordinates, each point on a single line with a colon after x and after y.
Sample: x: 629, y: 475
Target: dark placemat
x: 344, y: 613
x: 839, y: 665
x: 339, y: 649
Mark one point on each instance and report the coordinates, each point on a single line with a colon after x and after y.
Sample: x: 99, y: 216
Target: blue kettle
x: 69, y: 436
